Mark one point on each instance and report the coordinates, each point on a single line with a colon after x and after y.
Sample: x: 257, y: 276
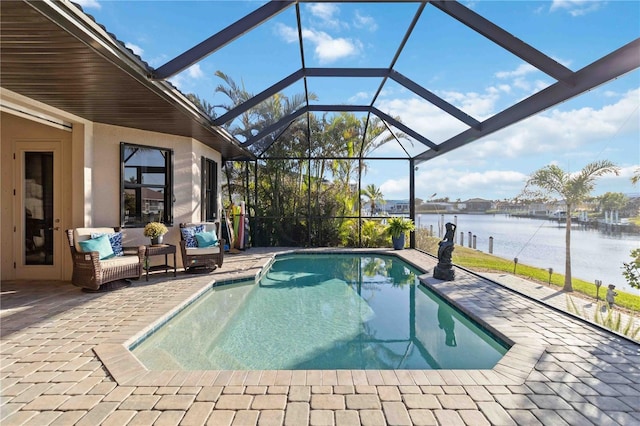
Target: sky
x: 441, y: 55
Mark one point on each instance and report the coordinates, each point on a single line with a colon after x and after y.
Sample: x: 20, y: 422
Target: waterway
x: 595, y: 255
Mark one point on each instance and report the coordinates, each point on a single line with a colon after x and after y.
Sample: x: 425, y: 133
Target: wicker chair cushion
x: 189, y: 235
x: 202, y: 250
x: 119, y: 261
x: 82, y: 234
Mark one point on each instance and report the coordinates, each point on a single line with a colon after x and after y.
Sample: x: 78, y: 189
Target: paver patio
x: 64, y: 362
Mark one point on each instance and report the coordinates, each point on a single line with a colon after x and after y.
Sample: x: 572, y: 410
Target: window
x: 209, y: 196
x: 147, y: 180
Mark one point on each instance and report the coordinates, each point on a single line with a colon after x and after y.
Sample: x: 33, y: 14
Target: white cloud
x: 520, y: 78
x: 620, y: 183
x: 421, y: 116
x: 569, y: 133
x: 186, y: 80
x: 195, y: 71
x: 433, y: 123
x: 559, y: 131
x: 134, y: 48
x: 362, y: 21
x: 179, y: 81
x: 288, y: 34
x: 576, y: 7
x: 569, y: 138
x: 325, y: 15
x: 522, y: 70
x: 324, y: 11
x: 329, y: 49
x: 478, y: 105
x: 358, y: 97
x: 89, y: 4
x: 457, y: 183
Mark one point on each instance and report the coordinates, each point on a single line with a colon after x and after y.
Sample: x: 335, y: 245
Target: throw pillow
x: 206, y: 239
x: 100, y: 244
x: 115, y: 239
x: 189, y: 235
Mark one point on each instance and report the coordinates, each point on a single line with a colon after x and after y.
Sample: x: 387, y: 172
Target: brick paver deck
x: 63, y: 361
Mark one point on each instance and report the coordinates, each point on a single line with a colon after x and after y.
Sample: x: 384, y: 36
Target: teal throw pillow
x: 100, y: 244
x: 116, y: 242
x: 206, y: 239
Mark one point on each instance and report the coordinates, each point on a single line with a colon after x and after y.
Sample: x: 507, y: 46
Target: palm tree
x: 202, y: 103
x: 635, y: 179
x: 572, y: 189
x: 374, y: 194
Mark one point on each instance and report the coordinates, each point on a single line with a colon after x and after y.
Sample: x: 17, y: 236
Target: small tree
x: 631, y: 270
x: 613, y: 201
x: 572, y: 189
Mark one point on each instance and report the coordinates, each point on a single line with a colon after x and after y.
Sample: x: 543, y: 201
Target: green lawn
x: 479, y: 261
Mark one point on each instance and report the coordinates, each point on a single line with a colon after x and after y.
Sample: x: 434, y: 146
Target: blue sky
x: 443, y: 56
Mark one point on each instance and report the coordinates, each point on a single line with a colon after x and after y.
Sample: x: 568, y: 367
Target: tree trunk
x: 567, y: 262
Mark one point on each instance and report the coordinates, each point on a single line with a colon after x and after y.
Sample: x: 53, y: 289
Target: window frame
x: 168, y: 155
x: 208, y: 189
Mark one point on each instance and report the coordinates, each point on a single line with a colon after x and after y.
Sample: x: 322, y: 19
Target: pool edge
x: 512, y: 369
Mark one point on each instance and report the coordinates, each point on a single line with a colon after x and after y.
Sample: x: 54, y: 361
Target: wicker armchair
x: 201, y: 259
x: 89, y: 272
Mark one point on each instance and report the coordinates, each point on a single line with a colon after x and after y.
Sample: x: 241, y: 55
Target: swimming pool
x: 322, y: 311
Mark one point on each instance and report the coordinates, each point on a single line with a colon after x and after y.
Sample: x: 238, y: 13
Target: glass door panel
x: 38, y: 208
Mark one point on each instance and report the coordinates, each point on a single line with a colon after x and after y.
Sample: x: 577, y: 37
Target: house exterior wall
x: 91, y: 176
x: 105, y: 204
x: 14, y: 129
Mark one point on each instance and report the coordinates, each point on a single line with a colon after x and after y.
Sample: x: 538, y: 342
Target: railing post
x: 490, y: 245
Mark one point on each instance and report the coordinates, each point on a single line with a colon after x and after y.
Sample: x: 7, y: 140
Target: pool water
x: 317, y: 312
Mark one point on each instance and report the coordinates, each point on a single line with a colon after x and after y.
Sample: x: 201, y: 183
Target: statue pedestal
x: 444, y: 274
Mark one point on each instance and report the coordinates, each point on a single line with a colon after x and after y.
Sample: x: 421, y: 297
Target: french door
x: 38, y: 239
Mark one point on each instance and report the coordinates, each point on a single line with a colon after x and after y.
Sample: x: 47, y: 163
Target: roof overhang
x: 54, y: 53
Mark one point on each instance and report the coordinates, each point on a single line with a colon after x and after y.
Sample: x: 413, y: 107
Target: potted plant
x: 397, y: 227
x: 155, y: 231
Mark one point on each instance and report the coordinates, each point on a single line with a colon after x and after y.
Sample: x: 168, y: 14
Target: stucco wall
x: 105, y: 206
x: 91, y: 178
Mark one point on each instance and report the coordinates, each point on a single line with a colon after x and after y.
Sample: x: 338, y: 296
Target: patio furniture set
x: 100, y: 259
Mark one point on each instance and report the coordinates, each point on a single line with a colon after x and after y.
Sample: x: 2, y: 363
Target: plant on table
x: 155, y: 230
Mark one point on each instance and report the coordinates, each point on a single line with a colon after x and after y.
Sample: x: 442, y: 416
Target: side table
x: 156, y: 250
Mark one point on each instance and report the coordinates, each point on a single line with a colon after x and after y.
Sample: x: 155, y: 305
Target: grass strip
x: 483, y: 262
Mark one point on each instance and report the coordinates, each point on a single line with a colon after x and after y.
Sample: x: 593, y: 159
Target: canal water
x: 595, y: 255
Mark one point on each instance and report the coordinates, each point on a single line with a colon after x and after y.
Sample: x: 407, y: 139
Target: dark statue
x: 444, y: 270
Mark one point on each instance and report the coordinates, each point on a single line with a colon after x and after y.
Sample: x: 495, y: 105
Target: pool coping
x: 512, y: 369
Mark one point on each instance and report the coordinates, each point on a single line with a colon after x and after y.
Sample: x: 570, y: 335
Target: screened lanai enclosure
x: 322, y: 135
x: 342, y: 109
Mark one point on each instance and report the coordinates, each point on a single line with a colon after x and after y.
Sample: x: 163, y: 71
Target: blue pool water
x: 316, y: 312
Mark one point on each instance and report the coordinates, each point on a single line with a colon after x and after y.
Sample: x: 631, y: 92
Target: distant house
x: 396, y: 206
x: 538, y: 209
x: 478, y: 205
x: 437, y: 207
